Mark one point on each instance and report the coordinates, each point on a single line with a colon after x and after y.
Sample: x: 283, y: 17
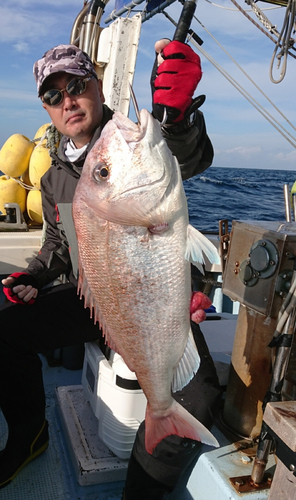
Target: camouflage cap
x: 67, y: 58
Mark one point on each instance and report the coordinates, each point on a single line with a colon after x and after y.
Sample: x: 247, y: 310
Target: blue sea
x: 236, y: 194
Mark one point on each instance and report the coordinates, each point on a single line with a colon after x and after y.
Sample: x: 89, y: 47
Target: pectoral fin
x: 199, y: 245
x: 131, y: 213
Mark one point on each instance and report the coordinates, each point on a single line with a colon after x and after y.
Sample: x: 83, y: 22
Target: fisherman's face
x: 76, y: 116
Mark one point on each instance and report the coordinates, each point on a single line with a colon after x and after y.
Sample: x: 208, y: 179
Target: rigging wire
x: 265, y: 113
x: 249, y: 78
x: 235, y: 9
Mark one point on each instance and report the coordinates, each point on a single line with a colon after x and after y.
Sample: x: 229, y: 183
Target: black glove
x: 19, y: 279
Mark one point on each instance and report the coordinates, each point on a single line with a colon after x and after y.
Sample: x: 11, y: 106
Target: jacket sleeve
x: 53, y: 258
x: 191, y: 145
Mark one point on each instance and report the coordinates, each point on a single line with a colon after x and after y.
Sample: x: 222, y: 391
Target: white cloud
x: 25, y: 22
x: 35, y: 5
x: 17, y: 25
x: 16, y: 95
x: 287, y: 157
x: 244, y: 151
x: 22, y: 47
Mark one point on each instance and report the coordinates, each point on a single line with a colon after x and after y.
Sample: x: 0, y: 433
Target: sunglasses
x: 75, y: 87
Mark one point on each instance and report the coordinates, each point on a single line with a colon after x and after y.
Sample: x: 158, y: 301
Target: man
x: 39, y: 318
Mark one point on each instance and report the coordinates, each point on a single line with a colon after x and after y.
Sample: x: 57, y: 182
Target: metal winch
x: 260, y: 274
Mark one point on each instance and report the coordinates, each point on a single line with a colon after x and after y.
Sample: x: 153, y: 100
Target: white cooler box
x: 115, y: 397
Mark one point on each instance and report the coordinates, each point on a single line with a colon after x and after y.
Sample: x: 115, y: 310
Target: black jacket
x: 59, y: 253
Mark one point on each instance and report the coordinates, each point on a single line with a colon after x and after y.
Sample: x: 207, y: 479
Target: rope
x: 272, y: 28
x: 262, y: 18
x: 53, y: 138
x: 254, y: 22
x: 285, y: 41
x: 22, y: 183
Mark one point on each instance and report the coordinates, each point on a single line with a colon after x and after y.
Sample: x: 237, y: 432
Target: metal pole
x: 287, y: 202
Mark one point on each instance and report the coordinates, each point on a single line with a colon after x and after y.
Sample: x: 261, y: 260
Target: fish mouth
x: 133, y: 133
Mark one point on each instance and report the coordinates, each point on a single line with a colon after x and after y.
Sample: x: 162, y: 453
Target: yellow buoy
x: 39, y: 164
x: 11, y: 192
x: 15, y: 155
x: 40, y: 133
x: 34, y: 205
x: 26, y: 179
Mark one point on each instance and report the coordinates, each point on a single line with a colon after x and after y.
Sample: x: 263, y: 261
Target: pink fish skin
x: 135, y: 247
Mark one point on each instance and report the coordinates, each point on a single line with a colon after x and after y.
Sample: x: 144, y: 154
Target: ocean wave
x: 226, y: 193
x: 211, y: 180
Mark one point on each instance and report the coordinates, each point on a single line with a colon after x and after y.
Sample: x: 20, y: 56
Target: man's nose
x: 69, y: 101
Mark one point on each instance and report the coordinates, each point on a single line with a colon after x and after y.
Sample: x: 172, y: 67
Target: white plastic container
x: 116, y: 399
x: 90, y: 373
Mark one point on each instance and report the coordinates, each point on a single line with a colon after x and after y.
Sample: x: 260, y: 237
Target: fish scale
x: 131, y: 219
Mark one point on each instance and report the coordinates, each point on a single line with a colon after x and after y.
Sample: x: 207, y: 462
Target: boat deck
x: 51, y: 475
x: 54, y: 475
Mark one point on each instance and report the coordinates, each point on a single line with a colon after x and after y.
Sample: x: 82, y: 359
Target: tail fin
x: 177, y: 421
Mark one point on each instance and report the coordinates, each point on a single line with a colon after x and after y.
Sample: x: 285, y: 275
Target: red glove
x: 199, y: 302
x: 19, y: 279
x: 175, y: 81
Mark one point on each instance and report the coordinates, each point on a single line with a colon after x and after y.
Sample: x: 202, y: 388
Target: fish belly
x: 140, y: 288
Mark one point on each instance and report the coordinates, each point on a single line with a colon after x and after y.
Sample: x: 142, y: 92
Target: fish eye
x: 100, y: 172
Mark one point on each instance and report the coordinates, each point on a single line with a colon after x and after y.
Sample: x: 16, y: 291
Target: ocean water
x: 236, y: 194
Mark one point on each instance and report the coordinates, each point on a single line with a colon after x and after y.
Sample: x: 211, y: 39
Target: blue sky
x: 240, y: 135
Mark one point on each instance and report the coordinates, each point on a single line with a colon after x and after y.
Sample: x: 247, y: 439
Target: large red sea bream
x: 135, y: 245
